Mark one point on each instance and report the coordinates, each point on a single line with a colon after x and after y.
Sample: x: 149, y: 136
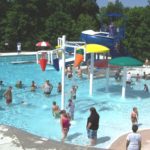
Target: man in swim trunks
x: 8, y: 95
x: 134, y: 116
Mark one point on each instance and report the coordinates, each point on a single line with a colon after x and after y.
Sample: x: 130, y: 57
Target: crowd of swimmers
x: 47, y: 88
x: 129, y: 81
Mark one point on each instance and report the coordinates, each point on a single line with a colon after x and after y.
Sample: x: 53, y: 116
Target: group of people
x: 65, y: 118
x: 69, y: 71
x: 71, y: 106
x: 46, y: 87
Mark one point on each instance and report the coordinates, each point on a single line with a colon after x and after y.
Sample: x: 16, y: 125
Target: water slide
x: 104, y: 38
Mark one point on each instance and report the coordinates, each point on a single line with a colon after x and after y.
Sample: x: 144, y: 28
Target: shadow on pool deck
x: 15, y: 139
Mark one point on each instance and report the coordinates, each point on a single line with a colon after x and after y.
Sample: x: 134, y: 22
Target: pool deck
x: 120, y: 143
x: 16, y: 54
x: 15, y: 139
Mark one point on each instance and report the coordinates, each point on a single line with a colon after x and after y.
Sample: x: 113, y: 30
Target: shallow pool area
x: 35, y: 114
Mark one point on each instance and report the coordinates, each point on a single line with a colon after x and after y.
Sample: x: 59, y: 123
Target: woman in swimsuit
x: 65, y: 124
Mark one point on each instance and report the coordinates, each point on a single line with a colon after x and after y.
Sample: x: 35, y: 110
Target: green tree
x: 35, y: 20
x: 138, y: 33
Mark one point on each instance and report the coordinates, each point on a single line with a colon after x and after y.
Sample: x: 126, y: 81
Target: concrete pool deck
x: 120, y: 143
x: 15, y: 139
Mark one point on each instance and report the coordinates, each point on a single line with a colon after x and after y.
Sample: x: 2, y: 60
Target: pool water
x: 35, y: 114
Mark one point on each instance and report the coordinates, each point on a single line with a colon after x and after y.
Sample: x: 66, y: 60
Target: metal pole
x: 49, y: 58
x: 91, y: 73
x: 124, y: 82
x: 63, y: 73
x: 37, y: 58
x: 107, y: 79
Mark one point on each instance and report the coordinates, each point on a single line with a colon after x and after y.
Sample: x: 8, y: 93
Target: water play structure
x: 110, y: 36
x: 80, y: 48
x: 103, y: 38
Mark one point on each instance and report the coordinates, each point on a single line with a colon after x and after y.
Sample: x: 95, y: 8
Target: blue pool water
x: 35, y: 114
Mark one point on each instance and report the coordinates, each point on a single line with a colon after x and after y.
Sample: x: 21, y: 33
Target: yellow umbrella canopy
x: 96, y: 48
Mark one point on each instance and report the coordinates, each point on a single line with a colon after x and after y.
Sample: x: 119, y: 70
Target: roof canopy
x: 125, y: 61
x: 96, y: 48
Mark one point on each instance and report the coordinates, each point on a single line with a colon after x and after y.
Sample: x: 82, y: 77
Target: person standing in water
x: 59, y: 87
x: 134, y: 116
x: 92, y: 126
x: 146, y: 88
x: 33, y: 86
x: 65, y: 124
x: 71, y: 107
x: 55, y: 110
x: 8, y: 95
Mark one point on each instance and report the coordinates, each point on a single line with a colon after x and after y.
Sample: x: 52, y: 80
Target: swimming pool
x: 35, y: 114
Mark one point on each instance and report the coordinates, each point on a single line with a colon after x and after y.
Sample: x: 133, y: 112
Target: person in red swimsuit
x: 65, y: 124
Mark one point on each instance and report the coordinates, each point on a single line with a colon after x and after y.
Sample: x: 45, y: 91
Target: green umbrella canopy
x: 125, y: 61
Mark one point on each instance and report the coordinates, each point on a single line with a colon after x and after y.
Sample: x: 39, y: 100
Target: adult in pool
x: 92, y: 126
x: 65, y: 124
x: 19, y: 84
x: 47, y: 87
x: 8, y: 95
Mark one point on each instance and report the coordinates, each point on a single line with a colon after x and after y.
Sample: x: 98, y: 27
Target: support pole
x: 107, y: 79
x: 49, y: 57
x: 91, y: 74
x: 63, y: 73
x: 124, y: 82
x: 37, y: 57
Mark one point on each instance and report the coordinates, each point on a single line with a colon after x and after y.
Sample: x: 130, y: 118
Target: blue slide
x: 104, y: 38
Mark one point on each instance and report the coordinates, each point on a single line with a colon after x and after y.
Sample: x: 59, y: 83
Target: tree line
x: 34, y: 20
